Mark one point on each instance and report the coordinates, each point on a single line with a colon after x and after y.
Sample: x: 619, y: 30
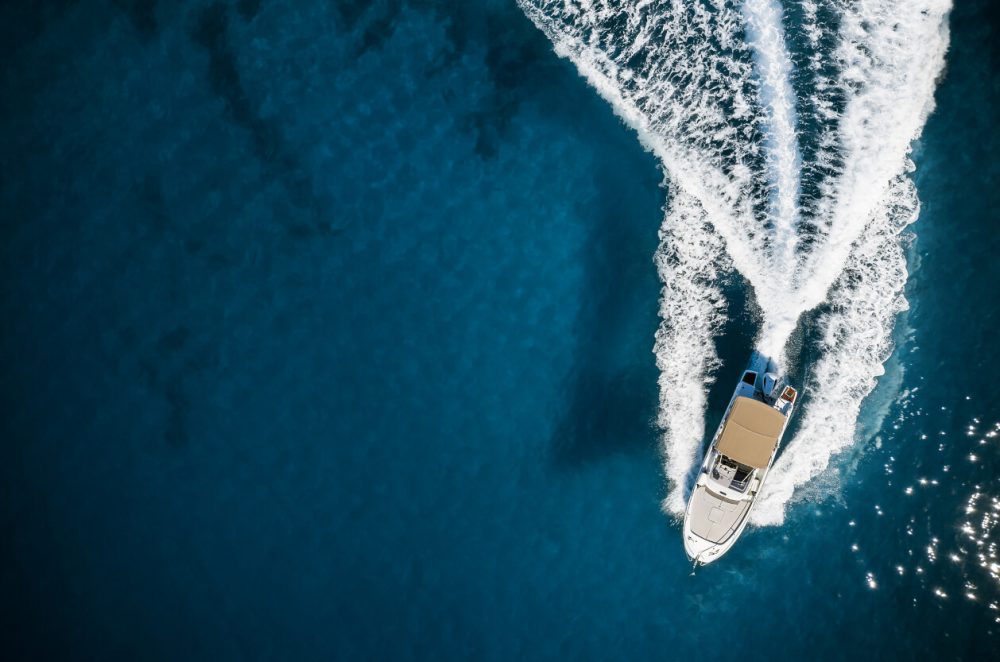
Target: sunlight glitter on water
x: 946, y: 558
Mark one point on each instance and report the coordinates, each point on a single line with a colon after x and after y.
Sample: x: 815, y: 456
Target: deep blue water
x: 327, y: 333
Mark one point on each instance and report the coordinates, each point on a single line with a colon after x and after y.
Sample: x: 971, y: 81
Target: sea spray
x: 707, y: 85
x: 856, y: 340
x: 692, y: 305
x: 773, y: 67
x: 892, y: 54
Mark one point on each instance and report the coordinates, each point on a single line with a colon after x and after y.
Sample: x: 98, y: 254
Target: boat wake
x: 784, y: 139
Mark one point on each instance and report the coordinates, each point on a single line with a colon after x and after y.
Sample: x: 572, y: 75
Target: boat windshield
x: 732, y: 473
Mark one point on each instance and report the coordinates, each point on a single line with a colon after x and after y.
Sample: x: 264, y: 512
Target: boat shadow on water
x: 610, y: 392
x: 607, y: 414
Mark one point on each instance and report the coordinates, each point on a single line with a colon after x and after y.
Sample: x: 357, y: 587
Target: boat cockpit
x: 731, y: 474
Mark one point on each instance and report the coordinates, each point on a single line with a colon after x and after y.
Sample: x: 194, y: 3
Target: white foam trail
x: 683, y: 77
x: 708, y: 88
x: 893, y: 53
x: 692, y: 310
x: 890, y: 54
x: 774, y: 69
x: 856, y: 341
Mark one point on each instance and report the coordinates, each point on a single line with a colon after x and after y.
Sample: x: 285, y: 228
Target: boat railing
x: 741, y: 485
x: 736, y: 476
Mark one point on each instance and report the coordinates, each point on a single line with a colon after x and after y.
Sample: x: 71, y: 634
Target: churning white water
x: 711, y: 88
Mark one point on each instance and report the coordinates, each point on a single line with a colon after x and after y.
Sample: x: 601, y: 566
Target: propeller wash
x: 784, y: 134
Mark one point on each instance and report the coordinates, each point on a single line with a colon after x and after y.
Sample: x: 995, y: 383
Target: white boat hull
x: 727, y: 487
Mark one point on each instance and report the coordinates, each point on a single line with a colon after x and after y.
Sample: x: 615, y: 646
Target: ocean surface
x: 372, y: 330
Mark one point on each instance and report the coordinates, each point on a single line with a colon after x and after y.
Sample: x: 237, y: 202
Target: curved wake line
x: 856, y: 341
x: 684, y: 137
x: 688, y: 260
x: 893, y: 54
x: 774, y: 69
x: 707, y: 86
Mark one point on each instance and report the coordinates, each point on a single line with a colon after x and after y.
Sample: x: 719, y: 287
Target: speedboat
x: 737, y: 461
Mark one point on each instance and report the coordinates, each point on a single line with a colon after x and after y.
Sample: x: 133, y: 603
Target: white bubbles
x: 773, y: 68
x: 889, y: 45
x: 691, y: 305
x: 708, y: 88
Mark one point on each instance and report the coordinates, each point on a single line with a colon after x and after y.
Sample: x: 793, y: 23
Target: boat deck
x: 713, y: 517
